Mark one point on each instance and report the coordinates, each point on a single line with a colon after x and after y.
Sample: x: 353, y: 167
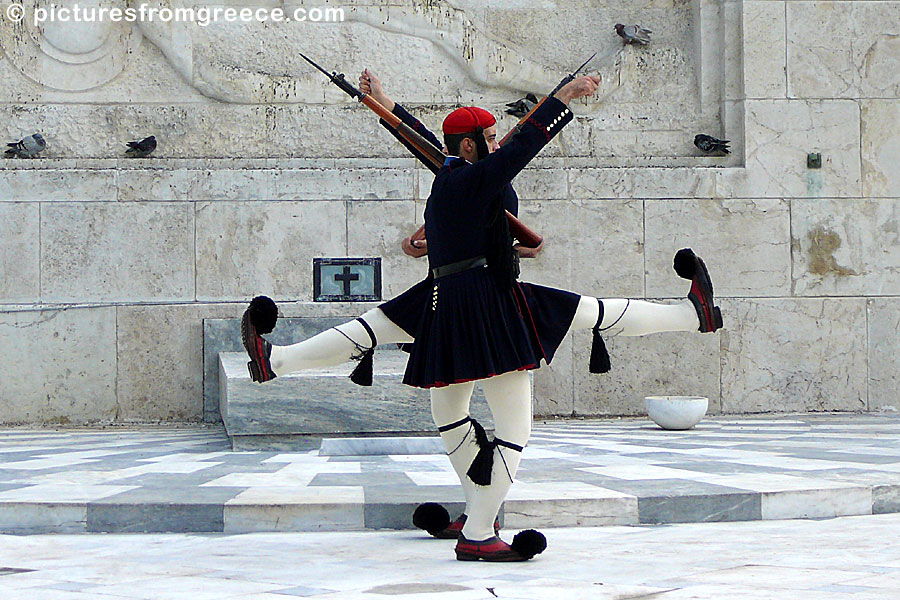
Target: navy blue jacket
x: 510, y: 199
x: 465, y: 196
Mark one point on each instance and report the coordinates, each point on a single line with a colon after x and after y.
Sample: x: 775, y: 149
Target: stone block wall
x: 108, y: 266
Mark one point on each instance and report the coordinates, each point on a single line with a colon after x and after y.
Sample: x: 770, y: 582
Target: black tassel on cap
x: 599, y: 355
x: 480, y: 469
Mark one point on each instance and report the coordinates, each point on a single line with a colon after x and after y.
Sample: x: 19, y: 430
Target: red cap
x: 466, y: 119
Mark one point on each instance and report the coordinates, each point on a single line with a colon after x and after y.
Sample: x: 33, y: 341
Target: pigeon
x: 709, y: 144
x: 522, y: 106
x: 633, y: 33
x: 28, y: 147
x: 141, y: 149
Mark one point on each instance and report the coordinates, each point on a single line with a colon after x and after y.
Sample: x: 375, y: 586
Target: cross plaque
x: 346, y: 279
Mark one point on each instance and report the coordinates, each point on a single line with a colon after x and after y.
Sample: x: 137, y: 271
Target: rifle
x: 559, y: 86
x: 526, y: 236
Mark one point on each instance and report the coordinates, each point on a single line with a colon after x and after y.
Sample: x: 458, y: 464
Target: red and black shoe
x: 259, y: 318
x: 690, y: 266
x: 434, y: 518
x: 525, y: 545
x: 454, y: 529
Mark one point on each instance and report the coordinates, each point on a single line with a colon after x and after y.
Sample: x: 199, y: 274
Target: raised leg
x: 337, y: 345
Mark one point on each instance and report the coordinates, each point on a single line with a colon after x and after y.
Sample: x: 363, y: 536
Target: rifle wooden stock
x: 526, y: 236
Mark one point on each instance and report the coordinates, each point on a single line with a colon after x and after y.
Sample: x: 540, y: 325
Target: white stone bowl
x: 676, y: 412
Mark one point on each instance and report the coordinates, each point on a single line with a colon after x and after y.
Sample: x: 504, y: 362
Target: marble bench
x: 300, y: 410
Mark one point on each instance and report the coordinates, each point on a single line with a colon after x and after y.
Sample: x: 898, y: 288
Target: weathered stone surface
x: 780, y: 134
x: 49, y: 184
x: 591, y: 247
x: 117, y: 251
x: 194, y: 185
x: 661, y: 364
x: 846, y: 247
x: 642, y: 182
x: 793, y: 355
x: 764, y: 49
x: 19, y: 253
x: 554, y: 392
x: 347, y: 184
x: 377, y: 229
x: 160, y: 367
x: 880, y: 131
x: 856, y: 53
x: 819, y: 50
x: 744, y: 244
x: 250, y: 248
x: 884, y: 348
x: 876, y: 48
x: 61, y: 368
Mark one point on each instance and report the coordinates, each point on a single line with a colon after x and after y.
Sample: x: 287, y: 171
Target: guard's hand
x: 416, y: 249
x: 579, y: 88
x: 526, y: 252
x: 370, y: 84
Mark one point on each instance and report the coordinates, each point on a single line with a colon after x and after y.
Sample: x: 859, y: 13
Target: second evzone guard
x: 471, y: 319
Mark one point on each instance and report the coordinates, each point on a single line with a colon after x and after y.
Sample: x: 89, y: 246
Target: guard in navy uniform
x: 370, y: 84
x: 471, y: 319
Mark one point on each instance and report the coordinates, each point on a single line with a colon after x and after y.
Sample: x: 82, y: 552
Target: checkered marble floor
x: 573, y: 473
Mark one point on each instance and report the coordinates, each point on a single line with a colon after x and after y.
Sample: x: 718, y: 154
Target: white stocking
x: 509, y: 398
x: 331, y: 347
x: 635, y: 317
x: 450, y: 405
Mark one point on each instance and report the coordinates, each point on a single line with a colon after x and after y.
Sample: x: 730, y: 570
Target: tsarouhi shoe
x: 525, y: 545
x: 690, y: 266
x: 434, y: 518
x: 259, y: 318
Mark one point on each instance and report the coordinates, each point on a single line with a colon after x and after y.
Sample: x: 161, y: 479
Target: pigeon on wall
x: 141, y: 149
x: 709, y: 144
x: 522, y: 106
x: 28, y: 147
x: 633, y: 34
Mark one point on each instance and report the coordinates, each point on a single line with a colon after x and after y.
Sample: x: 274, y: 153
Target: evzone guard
x: 471, y: 319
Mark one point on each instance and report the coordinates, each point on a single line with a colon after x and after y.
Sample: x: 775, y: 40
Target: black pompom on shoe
x: 263, y: 314
x: 432, y: 517
x: 528, y: 543
x: 685, y: 263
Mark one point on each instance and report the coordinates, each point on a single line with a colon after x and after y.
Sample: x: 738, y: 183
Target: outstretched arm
x: 370, y: 84
x: 486, y: 177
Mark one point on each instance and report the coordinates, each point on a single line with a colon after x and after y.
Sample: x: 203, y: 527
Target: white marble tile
x: 448, y: 477
x: 640, y: 472
x: 817, y: 503
x: 178, y: 588
x: 310, y: 509
x: 63, y: 494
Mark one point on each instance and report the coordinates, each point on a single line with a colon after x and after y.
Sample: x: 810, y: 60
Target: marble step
x: 298, y: 410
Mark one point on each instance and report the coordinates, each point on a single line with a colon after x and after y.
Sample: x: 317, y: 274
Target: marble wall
x: 108, y: 265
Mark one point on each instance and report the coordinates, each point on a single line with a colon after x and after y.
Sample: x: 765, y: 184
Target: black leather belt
x: 469, y: 263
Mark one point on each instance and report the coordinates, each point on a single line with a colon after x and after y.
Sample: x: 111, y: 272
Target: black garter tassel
x: 362, y: 374
x: 599, y: 355
x: 481, y: 467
